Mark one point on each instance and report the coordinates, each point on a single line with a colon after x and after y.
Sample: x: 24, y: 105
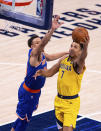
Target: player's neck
x: 72, y: 58
x: 40, y: 57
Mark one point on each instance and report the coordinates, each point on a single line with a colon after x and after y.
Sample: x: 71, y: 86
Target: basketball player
x: 35, y: 39
x: 71, y: 69
x: 30, y: 89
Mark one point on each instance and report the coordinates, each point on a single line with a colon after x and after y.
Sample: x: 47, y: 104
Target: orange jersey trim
x: 43, y: 62
x: 30, y: 90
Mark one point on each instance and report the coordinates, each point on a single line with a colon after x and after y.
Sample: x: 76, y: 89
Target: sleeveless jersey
x: 69, y: 82
x: 31, y: 70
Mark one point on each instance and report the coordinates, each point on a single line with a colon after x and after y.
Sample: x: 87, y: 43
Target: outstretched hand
x: 55, y: 23
x: 39, y: 73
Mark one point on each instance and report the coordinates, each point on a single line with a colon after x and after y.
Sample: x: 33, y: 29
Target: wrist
x: 51, y: 30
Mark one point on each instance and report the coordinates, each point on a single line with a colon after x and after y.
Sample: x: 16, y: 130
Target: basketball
x: 80, y: 35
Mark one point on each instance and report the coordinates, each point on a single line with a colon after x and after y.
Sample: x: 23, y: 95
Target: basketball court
x: 14, y: 54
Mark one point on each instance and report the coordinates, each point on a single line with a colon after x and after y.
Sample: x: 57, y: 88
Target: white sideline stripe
x: 89, y: 116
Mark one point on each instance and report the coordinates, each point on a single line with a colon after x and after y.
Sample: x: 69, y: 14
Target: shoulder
x: 63, y: 58
x: 43, y: 55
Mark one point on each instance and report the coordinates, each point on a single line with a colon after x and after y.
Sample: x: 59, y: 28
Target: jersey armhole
x: 75, y: 69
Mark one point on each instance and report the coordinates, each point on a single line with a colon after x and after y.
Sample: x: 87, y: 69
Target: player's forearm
x: 56, y: 56
x: 47, y: 73
x: 44, y: 42
x: 52, y: 71
x: 47, y: 37
x: 84, y: 54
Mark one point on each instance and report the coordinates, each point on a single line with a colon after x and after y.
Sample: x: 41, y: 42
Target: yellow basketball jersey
x: 69, y: 82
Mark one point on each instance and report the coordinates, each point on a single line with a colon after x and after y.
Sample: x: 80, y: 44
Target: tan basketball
x: 80, y: 35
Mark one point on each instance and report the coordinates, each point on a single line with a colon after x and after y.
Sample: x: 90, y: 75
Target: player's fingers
x: 39, y: 72
x: 36, y: 74
x: 35, y: 77
x: 61, y: 23
x: 56, y: 17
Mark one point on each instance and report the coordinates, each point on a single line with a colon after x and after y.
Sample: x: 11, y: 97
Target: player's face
x: 35, y: 42
x: 75, y: 50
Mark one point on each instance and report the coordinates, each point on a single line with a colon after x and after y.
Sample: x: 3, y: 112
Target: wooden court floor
x: 13, y: 58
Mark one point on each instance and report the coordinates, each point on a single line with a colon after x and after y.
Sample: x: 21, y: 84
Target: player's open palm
x: 39, y: 73
x: 55, y: 23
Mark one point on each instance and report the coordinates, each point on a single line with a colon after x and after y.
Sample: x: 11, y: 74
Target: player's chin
x: 71, y: 54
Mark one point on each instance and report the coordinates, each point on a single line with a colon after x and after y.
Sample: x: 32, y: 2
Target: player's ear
x: 31, y: 45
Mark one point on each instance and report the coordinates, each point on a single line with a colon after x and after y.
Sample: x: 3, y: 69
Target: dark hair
x: 31, y: 39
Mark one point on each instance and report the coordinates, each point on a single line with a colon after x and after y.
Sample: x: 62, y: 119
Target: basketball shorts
x: 28, y: 102
x: 66, y: 111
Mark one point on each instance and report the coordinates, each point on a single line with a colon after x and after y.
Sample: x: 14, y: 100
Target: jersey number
x: 62, y: 74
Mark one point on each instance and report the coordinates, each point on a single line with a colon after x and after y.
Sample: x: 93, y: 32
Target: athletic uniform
x: 67, y: 102
x: 29, y: 93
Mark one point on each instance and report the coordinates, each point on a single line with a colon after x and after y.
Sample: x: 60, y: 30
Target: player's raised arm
x: 48, y: 72
x: 51, y: 57
x: 80, y: 35
x: 81, y: 60
x: 44, y: 41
